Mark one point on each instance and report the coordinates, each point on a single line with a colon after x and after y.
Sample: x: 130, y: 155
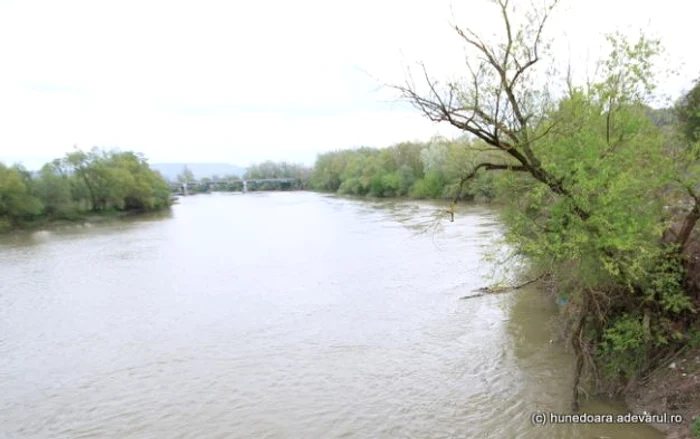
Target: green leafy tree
x: 297, y: 174
x: 82, y: 181
x: 688, y: 112
x: 16, y: 201
x: 406, y: 178
x: 55, y: 192
x: 420, y: 170
x: 583, y: 176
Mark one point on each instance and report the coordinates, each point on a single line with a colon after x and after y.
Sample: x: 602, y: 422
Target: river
x: 276, y: 315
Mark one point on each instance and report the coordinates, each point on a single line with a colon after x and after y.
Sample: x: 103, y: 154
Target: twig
x: 502, y: 290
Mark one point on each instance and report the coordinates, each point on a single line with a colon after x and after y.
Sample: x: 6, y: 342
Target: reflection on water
x: 283, y: 315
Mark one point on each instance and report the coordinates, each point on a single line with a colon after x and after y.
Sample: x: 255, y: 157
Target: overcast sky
x: 245, y: 81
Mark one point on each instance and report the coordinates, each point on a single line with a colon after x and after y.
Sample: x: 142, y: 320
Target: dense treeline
x: 417, y: 169
x: 299, y: 174
x: 601, y: 193
x: 81, y: 182
x: 270, y: 169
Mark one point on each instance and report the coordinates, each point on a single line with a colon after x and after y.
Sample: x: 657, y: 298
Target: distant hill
x: 200, y: 170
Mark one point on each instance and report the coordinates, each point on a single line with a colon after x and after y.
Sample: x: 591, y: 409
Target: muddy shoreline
x: 672, y: 388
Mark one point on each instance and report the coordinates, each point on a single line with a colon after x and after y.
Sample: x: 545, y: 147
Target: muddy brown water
x: 280, y: 315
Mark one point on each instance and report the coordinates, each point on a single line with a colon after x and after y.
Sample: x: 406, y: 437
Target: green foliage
x: 688, y: 111
x: 54, y: 190
x: 117, y: 180
x: 483, y: 187
x: 623, y: 350
x: 614, y: 164
x: 420, y: 170
x: 434, y: 155
x: 300, y: 175
x: 5, y: 225
x: 270, y: 169
x: 391, y: 185
x: 430, y: 186
x: 406, y: 179
x: 591, y: 180
x: 80, y: 182
x: 665, y: 284
x: 16, y: 201
x: 694, y: 337
x: 695, y: 426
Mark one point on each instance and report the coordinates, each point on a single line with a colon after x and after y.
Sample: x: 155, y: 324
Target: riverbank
x: 673, y: 388
x: 448, y: 201
x: 50, y: 223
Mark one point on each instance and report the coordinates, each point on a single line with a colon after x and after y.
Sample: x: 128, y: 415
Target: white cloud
x: 248, y: 81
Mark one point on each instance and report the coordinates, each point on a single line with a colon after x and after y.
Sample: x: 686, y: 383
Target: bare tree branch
x: 495, y: 103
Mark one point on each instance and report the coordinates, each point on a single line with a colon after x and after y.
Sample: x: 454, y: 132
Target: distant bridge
x: 184, y: 188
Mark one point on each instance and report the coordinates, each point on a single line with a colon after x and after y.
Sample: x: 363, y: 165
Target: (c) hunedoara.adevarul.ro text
x: 551, y: 418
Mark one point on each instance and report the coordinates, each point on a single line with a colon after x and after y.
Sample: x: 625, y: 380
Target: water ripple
x: 272, y: 316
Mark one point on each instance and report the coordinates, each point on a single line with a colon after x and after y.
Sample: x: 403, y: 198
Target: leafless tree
x: 497, y: 103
